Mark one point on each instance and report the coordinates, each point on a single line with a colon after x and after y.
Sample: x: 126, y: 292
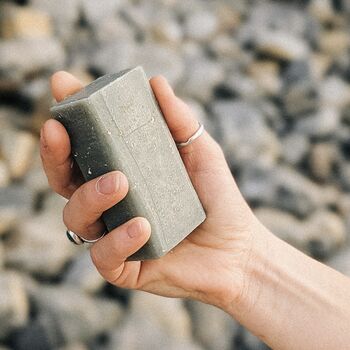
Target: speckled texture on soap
x: 115, y: 124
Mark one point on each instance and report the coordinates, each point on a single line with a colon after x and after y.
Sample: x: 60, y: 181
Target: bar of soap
x: 115, y: 124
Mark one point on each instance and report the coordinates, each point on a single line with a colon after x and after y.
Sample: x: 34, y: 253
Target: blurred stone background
x: 271, y: 82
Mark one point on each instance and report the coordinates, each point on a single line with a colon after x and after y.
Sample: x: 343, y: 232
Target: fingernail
x: 108, y: 184
x: 133, y: 229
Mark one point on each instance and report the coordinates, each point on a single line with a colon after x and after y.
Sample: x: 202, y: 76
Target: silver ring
x: 198, y: 133
x: 76, y: 239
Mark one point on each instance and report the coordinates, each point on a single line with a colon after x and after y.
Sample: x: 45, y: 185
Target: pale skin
x: 231, y: 260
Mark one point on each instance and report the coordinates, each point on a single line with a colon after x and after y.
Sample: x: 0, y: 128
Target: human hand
x: 208, y: 265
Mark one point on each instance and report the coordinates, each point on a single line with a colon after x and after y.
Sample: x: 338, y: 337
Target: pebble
x: 334, y: 42
x: 212, y: 327
x: 77, y: 315
x: 323, y: 159
x: 169, y: 327
x: 18, y: 148
x: 240, y: 122
x: 295, y: 146
x: 14, y: 305
x: 24, y: 22
x: 266, y: 74
x: 82, y: 274
x: 39, y: 245
x: 326, y: 233
x: 282, y: 46
x: 201, y: 25
x: 201, y: 78
x: 40, y: 54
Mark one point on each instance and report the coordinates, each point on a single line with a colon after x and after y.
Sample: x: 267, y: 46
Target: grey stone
x: 154, y: 322
x: 244, y: 135
x: 324, y: 122
x: 284, y: 225
x: 142, y: 147
x: 201, y: 25
x: 294, y: 147
x: 39, y: 54
x: 323, y: 159
x: 201, y: 78
x: 158, y: 59
x: 335, y: 92
x: 284, y: 188
x: 326, y: 233
x: 212, y: 327
x: 340, y: 261
x: 14, y: 306
x: 77, y: 316
x: 65, y: 14
x: 18, y: 148
x: 16, y: 201
x: 83, y: 274
x: 282, y: 46
x: 39, y: 245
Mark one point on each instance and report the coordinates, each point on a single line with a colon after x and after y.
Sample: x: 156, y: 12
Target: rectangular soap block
x: 115, y: 124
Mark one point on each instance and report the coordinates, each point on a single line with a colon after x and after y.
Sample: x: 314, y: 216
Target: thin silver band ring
x: 76, y: 239
x: 195, y: 136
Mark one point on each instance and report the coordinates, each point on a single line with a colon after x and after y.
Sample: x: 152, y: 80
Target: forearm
x: 290, y: 300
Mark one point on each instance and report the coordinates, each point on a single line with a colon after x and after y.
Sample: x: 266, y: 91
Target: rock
x: 244, y: 86
x: 282, y: 46
x: 2, y: 256
x: 213, y: 328
x: 82, y: 274
x: 64, y: 13
x: 75, y: 346
x: 24, y: 22
x: 319, y: 65
x: 228, y: 15
x: 340, y: 261
x: 168, y: 30
x: 251, y: 342
x: 326, y: 233
x: 201, y: 78
x: 169, y: 327
x: 335, y: 92
x: 284, y: 225
x: 284, y: 188
x: 224, y: 47
x: 323, y: 158
x: 14, y: 307
x: 76, y: 316
x: 295, y: 147
x: 334, y: 42
x: 40, y: 246
x: 4, y: 174
x: 300, y: 90
x: 266, y: 74
x: 18, y: 149
x: 322, y: 10
x: 40, y: 54
x: 323, y: 123
x: 16, y: 202
x: 244, y: 135
x: 201, y: 25
x: 157, y: 59
x: 96, y: 14
x: 121, y: 54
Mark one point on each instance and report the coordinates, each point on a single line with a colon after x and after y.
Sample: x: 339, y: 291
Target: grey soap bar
x: 115, y: 124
